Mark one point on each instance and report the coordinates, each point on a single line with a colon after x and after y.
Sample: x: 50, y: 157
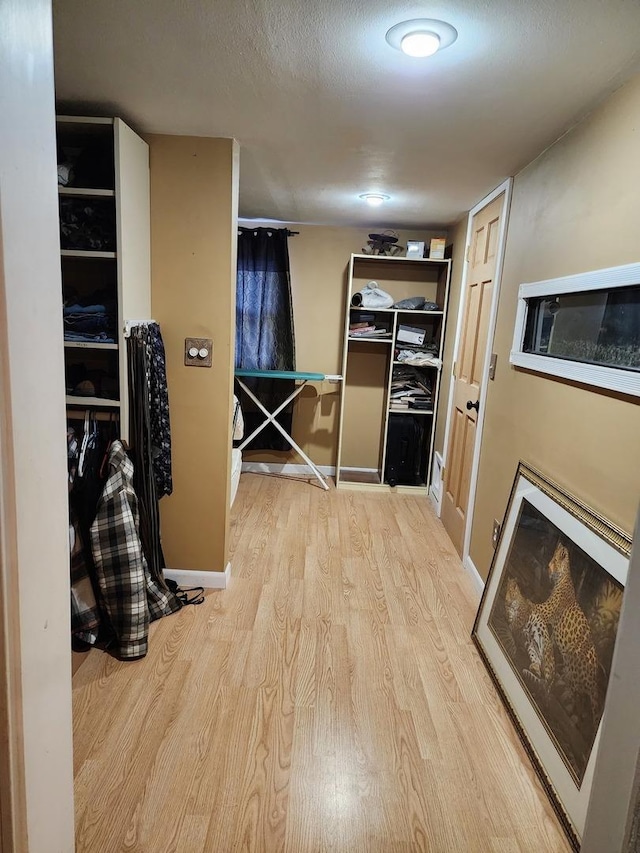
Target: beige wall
x: 575, y: 208
x: 319, y: 258
x: 194, y: 183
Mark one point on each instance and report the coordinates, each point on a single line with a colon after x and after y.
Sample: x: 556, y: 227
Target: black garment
x: 160, y: 424
x: 264, y: 327
x: 130, y: 596
x: 149, y: 422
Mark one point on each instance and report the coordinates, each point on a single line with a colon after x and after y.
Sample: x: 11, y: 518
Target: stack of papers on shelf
x: 410, y: 389
x: 369, y: 333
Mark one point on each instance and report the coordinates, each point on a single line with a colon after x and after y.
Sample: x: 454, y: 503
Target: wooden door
x: 472, y: 348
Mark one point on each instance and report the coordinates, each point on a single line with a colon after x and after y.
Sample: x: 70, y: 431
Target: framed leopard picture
x: 546, y: 629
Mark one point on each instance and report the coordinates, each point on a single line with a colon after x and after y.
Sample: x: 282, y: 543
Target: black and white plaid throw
x: 130, y: 597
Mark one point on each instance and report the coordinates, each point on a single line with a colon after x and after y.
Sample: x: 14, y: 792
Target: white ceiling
x: 324, y: 109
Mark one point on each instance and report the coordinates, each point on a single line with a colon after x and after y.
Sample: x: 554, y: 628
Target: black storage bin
x: 405, y: 440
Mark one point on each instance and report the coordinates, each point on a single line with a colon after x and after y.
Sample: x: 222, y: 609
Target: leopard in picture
x: 571, y: 632
x: 558, y: 622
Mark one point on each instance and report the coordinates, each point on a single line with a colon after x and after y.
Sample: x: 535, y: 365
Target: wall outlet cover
x: 495, y: 533
x: 198, y: 352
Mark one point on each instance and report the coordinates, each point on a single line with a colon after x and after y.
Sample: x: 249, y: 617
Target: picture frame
x: 574, y: 327
x: 546, y: 629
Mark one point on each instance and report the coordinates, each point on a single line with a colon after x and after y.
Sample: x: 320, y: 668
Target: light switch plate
x: 492, y: 365
x: 200, y: 359
x: 495, y: 533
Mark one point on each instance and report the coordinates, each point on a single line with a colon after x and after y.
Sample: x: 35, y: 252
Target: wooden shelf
x: 85, y: 192
x: 92, y: 402
x: 83, y: 120
x: 410, y: 412
x: 371, y: 478
x: 394, y: 311
x: 419, y: 366
x: 366, y: 409
x: 374, y: 340
x: 88, y: 345
x: 86, y: 253
x: 399, y: 259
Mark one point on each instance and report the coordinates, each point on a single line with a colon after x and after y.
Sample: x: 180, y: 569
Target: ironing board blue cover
x: 282, y: 374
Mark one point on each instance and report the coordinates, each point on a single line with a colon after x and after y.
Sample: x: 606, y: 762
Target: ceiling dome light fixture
x: 374, y: 199
x: 421, y: 37
x: 420, y: 44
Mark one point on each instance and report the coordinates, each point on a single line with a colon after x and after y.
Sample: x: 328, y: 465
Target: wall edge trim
x: 284, y: 468
x: 193, y: 577
x: 469, y: 566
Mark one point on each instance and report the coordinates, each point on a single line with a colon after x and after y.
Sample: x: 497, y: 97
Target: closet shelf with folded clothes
x: 116, y: 394
x: 389, y: 403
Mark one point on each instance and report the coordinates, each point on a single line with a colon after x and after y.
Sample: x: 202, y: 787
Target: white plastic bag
x: 371, y: 296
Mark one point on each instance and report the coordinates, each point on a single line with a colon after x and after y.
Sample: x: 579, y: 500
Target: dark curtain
x: 150, y: 437
x: 264, y: 327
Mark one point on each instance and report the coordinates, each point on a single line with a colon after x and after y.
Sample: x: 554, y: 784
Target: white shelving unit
x: 366, y: 409
x: 121, y: 275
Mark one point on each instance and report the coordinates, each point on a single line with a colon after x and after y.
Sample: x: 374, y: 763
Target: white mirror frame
x: 612, y: 378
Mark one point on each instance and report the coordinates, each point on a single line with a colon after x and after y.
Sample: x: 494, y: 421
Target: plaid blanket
x: 130, y: 596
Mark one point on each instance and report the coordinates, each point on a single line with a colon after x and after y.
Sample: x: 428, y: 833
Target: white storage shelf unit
x: 367, y: 407
x: 117, y: 185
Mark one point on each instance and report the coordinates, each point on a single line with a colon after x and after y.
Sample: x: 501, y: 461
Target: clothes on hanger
x: 130, y: 595
x: 114, y: 596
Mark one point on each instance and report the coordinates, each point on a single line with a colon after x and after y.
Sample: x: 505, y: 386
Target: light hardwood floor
x: 330, y: 699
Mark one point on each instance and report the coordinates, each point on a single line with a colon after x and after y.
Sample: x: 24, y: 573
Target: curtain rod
x: 266, y: 228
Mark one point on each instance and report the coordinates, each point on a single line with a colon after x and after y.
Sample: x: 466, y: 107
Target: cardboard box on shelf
x: 411, y: 335
x: 436, y: 248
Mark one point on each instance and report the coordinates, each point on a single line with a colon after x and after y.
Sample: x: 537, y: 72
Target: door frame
x: 13, y: 810
x: 506, y: 188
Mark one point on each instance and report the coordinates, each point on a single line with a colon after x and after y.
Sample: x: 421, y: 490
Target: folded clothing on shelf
x: 90, y: 323
x: 87, y: 225
x: 418, y: 358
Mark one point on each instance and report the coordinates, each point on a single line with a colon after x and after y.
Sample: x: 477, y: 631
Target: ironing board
x: 300, y: 378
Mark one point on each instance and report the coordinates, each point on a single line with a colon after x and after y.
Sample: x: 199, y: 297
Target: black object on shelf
x: 88, y: 225
x: 404, y: 451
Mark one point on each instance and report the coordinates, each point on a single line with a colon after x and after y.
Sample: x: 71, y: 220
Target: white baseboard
x: 435, y: 490
x: 436, y: 500
x: 285, y: 468
x: 474, y: 575
x: 209, y: 580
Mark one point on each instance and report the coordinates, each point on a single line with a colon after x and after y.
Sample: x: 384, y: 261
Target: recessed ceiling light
x: 374, y: 199
x: 421, y: 36
x: 420, y: 44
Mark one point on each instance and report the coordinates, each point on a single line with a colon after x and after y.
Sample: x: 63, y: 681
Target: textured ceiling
x: 324, y: 109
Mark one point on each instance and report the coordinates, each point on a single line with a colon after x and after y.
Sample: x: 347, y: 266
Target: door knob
x: 475, y: 405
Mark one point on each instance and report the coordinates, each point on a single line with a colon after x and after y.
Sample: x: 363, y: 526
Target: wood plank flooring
x: 330, y: 699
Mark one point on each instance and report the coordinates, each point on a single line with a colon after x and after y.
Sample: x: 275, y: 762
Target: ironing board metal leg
x: 270, y: 418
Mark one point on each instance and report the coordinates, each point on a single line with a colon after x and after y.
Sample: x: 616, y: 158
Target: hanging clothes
x: 85, y: 613
x: 131, y: 598
x: 150, y: 436
x: 149, y: 400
